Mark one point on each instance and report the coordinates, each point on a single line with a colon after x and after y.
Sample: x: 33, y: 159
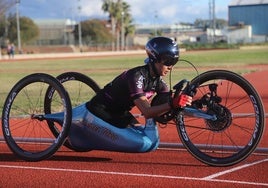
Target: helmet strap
x: 152, y: 64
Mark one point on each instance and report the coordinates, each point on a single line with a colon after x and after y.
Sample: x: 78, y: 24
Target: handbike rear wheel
x: 25, y: 129
x: 80, y: 88
x: 239, y: 125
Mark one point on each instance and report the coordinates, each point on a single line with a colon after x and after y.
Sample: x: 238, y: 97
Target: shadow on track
x: 78, y: 159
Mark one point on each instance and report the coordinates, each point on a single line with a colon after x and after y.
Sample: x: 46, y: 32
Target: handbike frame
x: 210, y: 120
x: 88, y: 132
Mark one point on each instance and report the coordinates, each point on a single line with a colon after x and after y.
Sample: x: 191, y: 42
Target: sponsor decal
x: 98, y: 129
x: 257, y: 114
x: 182, y: 129
x: 6, y: 112
x: 139, y: 83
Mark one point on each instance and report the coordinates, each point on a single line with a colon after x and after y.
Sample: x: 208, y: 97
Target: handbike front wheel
x: 80, y: 88
x: 240, y: 122
x: 25, y: 129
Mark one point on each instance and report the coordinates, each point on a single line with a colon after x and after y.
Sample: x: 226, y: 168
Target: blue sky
x: 143, y: 11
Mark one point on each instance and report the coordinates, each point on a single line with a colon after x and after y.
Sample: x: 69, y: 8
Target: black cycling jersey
x: 116, y: 99
x: 119, y: 95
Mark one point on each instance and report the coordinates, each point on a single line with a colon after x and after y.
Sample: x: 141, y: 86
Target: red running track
x: 161, y: 168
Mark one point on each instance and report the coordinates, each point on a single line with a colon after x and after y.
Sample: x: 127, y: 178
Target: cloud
x: 174, y: 11
x: 92, y: 8
x: 142, y: 11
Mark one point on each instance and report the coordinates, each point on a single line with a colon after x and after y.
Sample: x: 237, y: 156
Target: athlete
x: 136, y: 86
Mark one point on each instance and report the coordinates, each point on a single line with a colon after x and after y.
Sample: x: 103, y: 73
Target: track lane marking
x: 233, y: 169
x: 135, y: 174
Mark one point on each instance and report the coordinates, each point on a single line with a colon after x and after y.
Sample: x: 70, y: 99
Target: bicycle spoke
x: 236, y: 131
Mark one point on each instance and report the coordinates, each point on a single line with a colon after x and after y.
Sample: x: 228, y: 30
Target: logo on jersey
x: 139, y: 83
x: 149, y: 94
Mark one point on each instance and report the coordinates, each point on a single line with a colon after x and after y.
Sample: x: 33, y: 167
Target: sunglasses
x: 170, y: 61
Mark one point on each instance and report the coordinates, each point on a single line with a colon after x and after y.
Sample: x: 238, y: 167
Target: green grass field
x: 104, y: 69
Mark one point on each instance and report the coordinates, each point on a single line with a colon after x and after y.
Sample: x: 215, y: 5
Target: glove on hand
x: 181, y: 101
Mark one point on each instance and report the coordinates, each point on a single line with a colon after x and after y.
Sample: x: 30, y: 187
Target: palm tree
x: 126, y: 24
x: 119, y: 14
x: 110, y: 7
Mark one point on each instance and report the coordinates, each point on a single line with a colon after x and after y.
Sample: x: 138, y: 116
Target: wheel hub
x: 224, y: 118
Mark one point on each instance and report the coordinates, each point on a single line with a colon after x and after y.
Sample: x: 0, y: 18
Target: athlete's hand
x: 181, y: 101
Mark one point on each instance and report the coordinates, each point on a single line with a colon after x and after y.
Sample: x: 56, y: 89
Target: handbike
x: 222, y: 127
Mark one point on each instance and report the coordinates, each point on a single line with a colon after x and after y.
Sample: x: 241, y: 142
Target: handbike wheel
x: 80, y: 88
x: 24, y: 127
x: 239, y: 125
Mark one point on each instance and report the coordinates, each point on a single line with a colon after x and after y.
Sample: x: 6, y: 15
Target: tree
x: 5, y: 5
x: 154, y: 34
x: 119, y: 12
x: 200, y: 23
x: 221, y: 23
x: 110, y: 7
x: 28, y: 29
x: 128, y: 27
x: 95, y: 32
x: 2, y: 26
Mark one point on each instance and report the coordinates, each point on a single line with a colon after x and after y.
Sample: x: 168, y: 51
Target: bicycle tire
x: 25, y: 132
x: 235, y: 137
x: 80, y: 88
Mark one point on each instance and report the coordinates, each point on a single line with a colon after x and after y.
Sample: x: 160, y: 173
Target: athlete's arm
x: 153, y: 111
x: 150, y: 111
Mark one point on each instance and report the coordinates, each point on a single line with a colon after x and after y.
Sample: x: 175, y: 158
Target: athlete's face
x: 162, y: 69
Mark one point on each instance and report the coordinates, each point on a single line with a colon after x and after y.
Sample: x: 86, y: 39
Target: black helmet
x: 162, y: 49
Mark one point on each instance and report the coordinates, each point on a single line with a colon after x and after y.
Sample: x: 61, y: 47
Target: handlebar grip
x: 180, y: 84
x: 190, y: 90
x: 178, y: 87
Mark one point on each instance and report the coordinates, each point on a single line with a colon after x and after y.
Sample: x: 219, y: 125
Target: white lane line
x: 233, y: 169
x: 135, y: 174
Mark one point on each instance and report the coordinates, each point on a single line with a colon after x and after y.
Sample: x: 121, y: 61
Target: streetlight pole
x: 18, y: 24
x: 214, y: 21
x: 122, y: 30
x: 79, y: 28
x: 155, y: 23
